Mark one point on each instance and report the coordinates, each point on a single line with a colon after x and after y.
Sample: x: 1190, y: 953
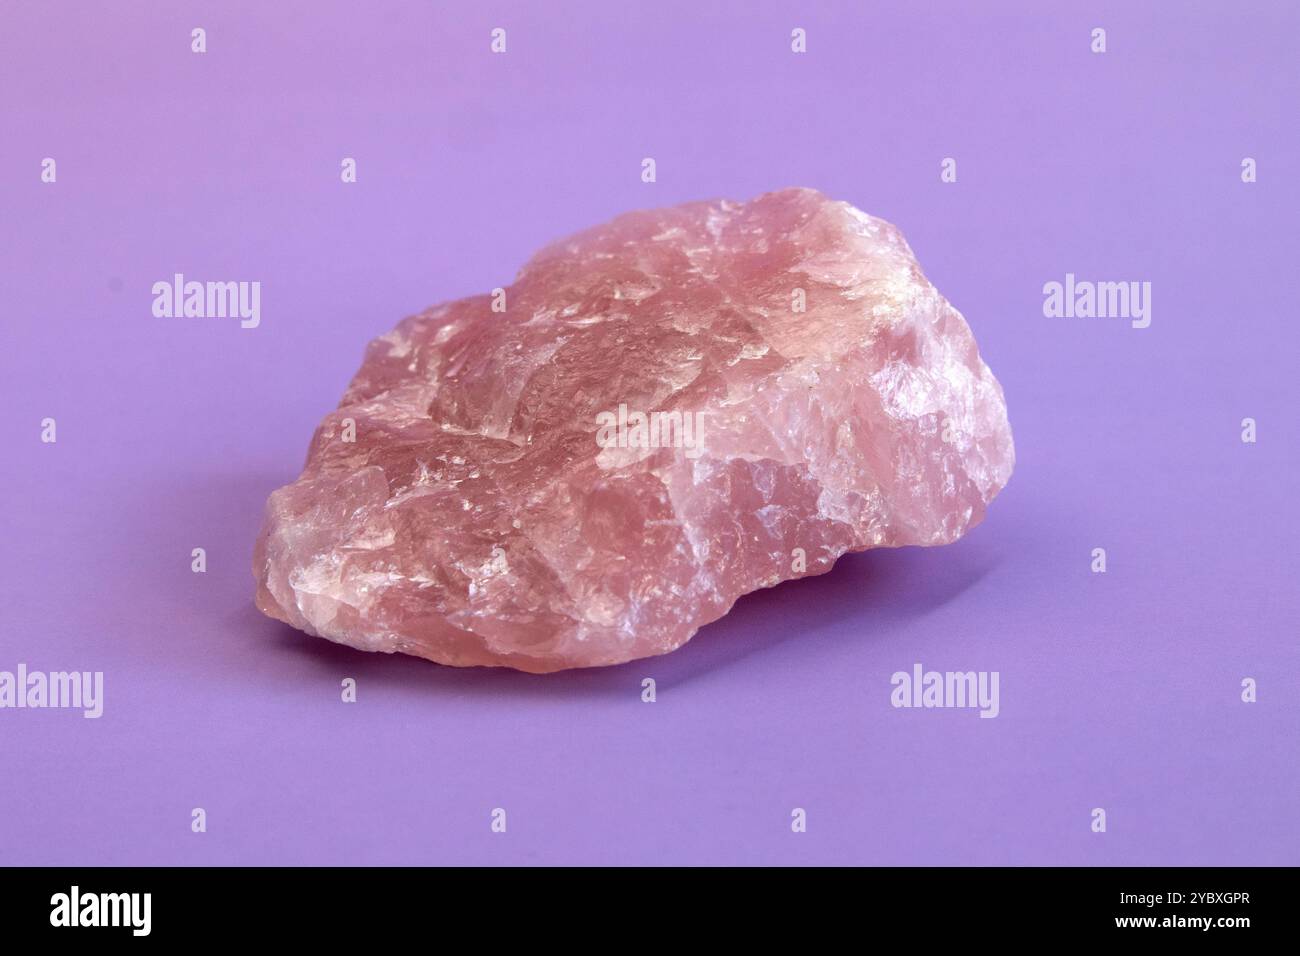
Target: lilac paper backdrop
x: 1119, y: 690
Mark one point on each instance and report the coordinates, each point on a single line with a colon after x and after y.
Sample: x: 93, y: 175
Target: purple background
x: 1118, y: 691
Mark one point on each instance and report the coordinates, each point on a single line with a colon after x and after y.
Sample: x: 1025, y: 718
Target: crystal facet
x: 661, y: 414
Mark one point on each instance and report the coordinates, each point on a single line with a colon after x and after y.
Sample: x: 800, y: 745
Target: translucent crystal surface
x: 463, y: 503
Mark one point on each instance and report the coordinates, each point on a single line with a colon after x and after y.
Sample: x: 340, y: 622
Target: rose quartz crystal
x: 466, y: 504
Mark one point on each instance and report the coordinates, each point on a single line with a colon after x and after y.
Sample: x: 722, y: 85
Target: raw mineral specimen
x: 661, y: 414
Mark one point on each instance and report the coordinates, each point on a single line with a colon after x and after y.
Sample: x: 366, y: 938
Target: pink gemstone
x: 663, y: 413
